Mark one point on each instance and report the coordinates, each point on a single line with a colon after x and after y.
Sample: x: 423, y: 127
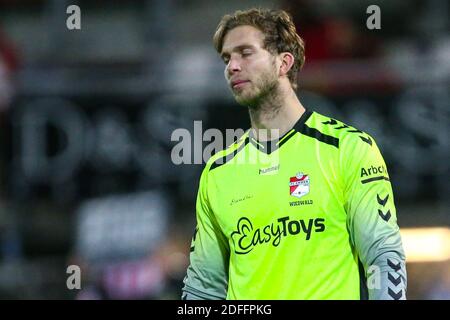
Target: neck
x: 276, y: 115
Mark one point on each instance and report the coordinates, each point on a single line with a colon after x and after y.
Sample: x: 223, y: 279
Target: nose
x: 233, y: 66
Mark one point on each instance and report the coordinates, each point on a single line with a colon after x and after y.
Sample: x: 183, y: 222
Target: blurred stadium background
x: 86, y: 118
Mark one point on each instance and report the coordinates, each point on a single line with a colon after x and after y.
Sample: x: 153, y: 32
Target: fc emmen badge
x: 299, y: 185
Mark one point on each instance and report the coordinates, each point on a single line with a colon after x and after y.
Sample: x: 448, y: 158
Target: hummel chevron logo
x: 394, y: 295
x: 397, y: 281
x: 367, y: 140
x: 382, y: 201
x: 332, y: 122
x: 385, y: 216
x: 394, y: 266
x: 355, y: 131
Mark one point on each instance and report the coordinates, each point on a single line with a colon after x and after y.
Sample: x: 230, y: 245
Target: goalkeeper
x: 313, y: 217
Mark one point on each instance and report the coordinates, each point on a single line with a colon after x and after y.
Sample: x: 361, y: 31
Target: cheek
x: 266, y: 73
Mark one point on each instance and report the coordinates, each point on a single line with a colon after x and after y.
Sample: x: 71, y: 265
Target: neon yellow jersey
x: 304, y: 218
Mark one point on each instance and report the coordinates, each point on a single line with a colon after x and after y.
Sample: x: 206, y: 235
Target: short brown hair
x: 279, y: 32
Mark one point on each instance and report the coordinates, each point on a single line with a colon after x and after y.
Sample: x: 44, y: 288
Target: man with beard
x: 334, y: 234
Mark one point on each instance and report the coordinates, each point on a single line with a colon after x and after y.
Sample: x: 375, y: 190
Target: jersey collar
x: 270, y: 146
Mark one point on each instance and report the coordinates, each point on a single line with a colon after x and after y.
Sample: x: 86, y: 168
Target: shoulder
x: 358, y: 153
x: 345, y: 134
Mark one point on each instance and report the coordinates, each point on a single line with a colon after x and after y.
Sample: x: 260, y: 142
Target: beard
x: 263, y: 89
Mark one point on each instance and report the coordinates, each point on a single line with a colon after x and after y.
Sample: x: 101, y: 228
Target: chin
x: 246, y: 101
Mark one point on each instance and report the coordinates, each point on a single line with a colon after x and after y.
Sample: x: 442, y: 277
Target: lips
x: 238, y: 83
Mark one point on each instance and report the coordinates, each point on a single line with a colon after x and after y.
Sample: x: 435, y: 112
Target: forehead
x: 242, y: 35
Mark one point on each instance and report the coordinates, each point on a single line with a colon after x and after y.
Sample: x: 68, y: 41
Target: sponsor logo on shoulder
x: 366, y: 172
x: 373, y: 173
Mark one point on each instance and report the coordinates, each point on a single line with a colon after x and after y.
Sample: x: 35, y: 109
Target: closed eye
x: 244, y: 53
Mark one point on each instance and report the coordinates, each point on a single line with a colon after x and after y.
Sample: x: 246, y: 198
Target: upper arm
x: 369, y: 201
x: 207, y: 274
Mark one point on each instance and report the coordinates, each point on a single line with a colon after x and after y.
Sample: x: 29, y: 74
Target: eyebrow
x: 237, y: 49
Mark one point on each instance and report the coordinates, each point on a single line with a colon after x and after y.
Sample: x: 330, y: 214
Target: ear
x: 287, y: 61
